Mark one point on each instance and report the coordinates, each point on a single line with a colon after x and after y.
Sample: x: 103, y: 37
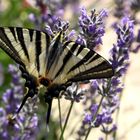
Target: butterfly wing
x: 91, y: 65
x: 24, y: 46
x: 77, y: 63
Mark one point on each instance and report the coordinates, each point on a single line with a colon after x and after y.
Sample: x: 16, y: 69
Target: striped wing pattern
x: 79, y: 63
x: 24, y: 46
x: 49, y: 57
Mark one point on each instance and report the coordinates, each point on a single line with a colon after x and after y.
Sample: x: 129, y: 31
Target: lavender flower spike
x: 24, y: 124
x: 92, y: 27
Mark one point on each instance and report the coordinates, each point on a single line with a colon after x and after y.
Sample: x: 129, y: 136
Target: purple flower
x: 74, y: 93
x: 126, y: 7
x: 2, y: 116
x: 137, y: 46
x: 92, y: 27
x: 98, y: 120
x: 100, y: 138
x: 94, y: 84
x: 107, y: 130
x: 24, y: 124
x: 93, y: 109
x: 80, y: 40
x: 70, y: 36
x: 88, y: 118
x: 122, y: 48
x: 120, y: 61
x: 32, y: 17
x: 55, y: 25
x: 101, y: 113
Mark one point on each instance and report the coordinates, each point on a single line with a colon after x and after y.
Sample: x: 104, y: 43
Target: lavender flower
x: 92, y: 28
x: 74, y: 93
x: 120, y: 61
x: 110, y: 89
x: 129, y: 8
x: 135, y: 4
x: 51, y: 15
x: 22, y: 125
x: 126, y: 7
x: 125, y: 38
x: 122, y: 8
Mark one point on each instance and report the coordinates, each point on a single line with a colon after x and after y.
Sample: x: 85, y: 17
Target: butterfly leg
x: 48, y: 100
x: 49, y: 95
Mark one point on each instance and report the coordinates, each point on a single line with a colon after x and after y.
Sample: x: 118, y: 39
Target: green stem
x: 106, y: 136
x: 98, y: 107
x: 89, y: 130
x: 67, y: 118
x: 118, y: 111
x: 60, y: 118
x: 88, y: 133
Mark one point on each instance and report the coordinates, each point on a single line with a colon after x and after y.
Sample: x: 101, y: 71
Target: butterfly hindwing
x: 90, y: 66
x: 77, y: 63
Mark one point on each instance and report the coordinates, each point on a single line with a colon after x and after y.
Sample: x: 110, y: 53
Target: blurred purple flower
x: 100, y: 138
x: 24, y: 124
x: 126, y: 7
x: 130, y: 9
x: 93, y: 109
x: 137, y: 41
x: 88, y: 118
x: 107, y: 130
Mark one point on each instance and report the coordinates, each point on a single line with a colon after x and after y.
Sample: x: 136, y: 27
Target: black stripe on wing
x: 38, y: 48
x: 7, y: 47
x: 83, y: 60
x: 67, y: 57
x: 54, y: 49
x: 95, y: 75
x: 13, y: 33
x: 12, y: 54
x: 94, y: 67
x: 22, y: 41
x: 31, y: 33
x: 6, y: 40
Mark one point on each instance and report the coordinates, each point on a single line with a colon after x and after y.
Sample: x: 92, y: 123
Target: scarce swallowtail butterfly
x: 49, y: 62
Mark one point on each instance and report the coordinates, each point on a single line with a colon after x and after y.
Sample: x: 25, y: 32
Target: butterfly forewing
x: 24, y: 45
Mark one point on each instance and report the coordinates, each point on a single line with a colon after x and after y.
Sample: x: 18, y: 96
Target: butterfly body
x: 49, y: 62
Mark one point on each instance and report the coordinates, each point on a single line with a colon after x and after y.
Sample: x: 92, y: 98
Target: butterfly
x: 50, y: 62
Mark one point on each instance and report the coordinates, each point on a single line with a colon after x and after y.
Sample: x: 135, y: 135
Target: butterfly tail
x: 30, y: 93
x: 49, y: 111
x: 23, y: 102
